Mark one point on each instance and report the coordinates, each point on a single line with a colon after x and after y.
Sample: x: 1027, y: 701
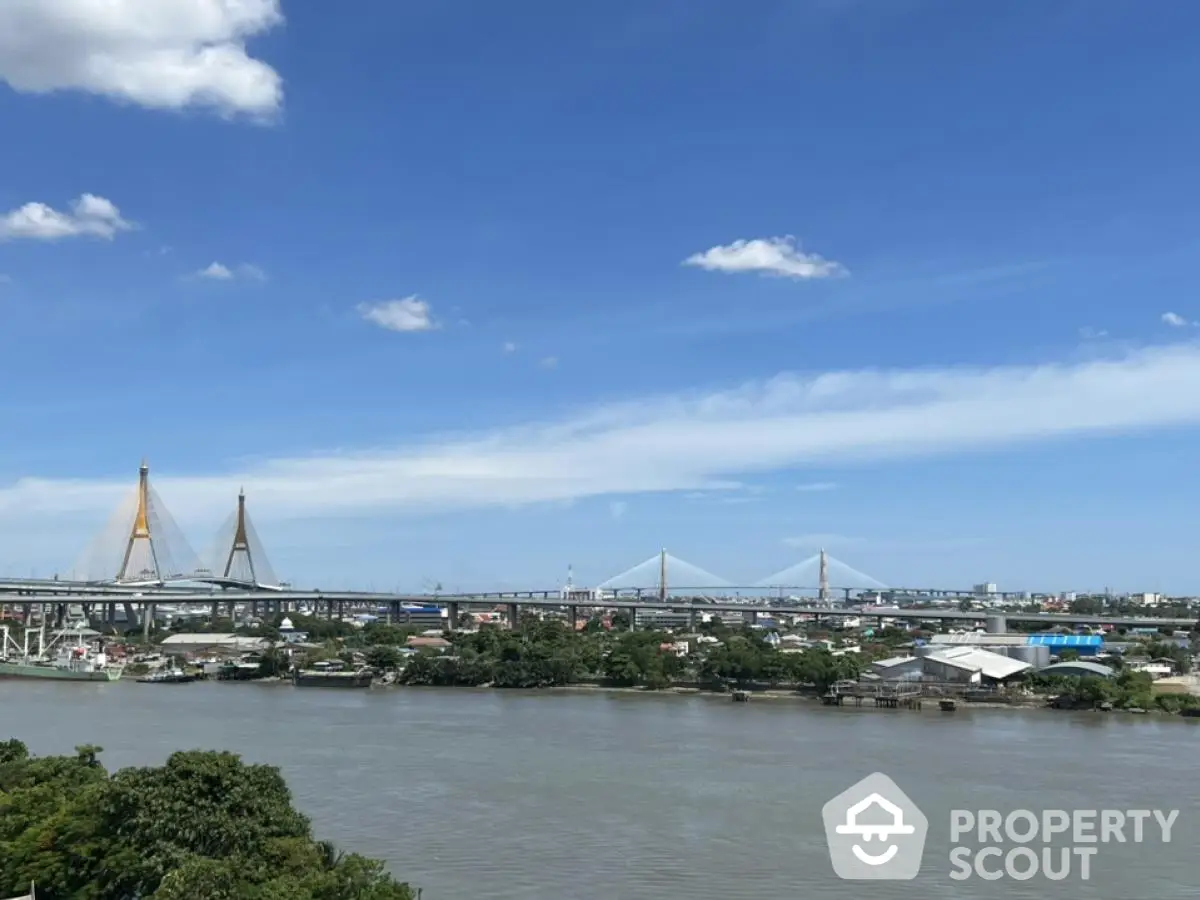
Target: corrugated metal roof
x: 1077, y: 667
x: 232, y: 641
x: 892, y: 661
x: 979, y: 640
x: 989, y: 664
x: 1066, y: 640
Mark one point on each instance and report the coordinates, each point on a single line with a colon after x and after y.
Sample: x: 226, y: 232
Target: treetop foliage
x: 205, y: 826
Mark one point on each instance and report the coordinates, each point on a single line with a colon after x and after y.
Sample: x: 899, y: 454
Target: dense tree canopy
x: 205, y: 826
x: 549, y: 653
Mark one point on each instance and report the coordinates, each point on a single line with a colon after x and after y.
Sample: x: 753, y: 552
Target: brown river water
x: 568, y: 795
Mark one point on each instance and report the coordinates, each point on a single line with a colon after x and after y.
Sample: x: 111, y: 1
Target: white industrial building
x: 213, y: 643
x: 962, y: 665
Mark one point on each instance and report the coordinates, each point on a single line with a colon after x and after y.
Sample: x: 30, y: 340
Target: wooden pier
x: 882, y: 696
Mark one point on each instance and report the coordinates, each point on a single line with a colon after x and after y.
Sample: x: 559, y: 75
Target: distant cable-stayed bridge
x: 666, y: 575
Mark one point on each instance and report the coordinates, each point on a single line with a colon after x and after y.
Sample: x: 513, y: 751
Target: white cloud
x: 166, y: 54
x: 816, y: 486
x: 618, y: 508
x: 509, y: 347
x: 220, y: 272
x: 549, y: 362
x: 408, y: 314
x: 699, y: 442
x: 769, y: 256
x: 1175, y: 320
x: 1088, y: 333
x: 90, y: 216
x: 216, y: 272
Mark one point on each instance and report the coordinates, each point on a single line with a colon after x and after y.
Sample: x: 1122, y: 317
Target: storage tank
x: 1037, y: 655
x: 997, y: 625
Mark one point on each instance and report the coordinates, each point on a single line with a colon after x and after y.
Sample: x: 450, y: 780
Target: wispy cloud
x: 216, y: 271
x: 1175, y: 320
x: 693, y: 442
x: 90, y: 216
x: 509, y: 347
x: 817, y: 486
x: 405, y: 315
x: 780, y: 256
x: 1088, y: 333
x: 987, y: 274
x: 618, y: 508
x: 549, y: 362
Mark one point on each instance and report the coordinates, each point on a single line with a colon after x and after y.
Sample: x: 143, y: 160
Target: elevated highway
x: 34, y: 587
x: 333, y: 603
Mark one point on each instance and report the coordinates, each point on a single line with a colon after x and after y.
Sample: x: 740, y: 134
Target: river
x: 596, y: 796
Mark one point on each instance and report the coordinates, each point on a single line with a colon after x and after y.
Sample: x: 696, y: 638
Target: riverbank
x: 775, y: 696
x: 930, y: 704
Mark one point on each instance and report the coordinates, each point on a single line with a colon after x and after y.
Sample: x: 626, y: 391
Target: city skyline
x: 471, y: 295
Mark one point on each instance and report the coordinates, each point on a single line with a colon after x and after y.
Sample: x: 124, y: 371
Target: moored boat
x: 167, y: 676
x: 57, y: 660
x: 327, y: 676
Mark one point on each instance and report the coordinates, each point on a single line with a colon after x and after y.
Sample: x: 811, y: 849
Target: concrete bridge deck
x: 348, y: 601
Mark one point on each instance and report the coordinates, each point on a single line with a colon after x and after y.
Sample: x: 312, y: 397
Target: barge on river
x: 332, y: 675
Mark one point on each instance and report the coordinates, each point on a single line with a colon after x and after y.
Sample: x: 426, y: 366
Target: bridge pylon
x: 240, y: 554
x: 147, y: 556
x: 656, y: 574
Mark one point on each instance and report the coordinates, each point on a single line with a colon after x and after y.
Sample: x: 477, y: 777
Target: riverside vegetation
x: 548, y: 653
x: 205, y: 826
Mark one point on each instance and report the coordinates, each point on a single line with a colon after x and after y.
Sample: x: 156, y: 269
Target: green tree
x: 205, y: 826
x: 382, y: 657
x: 274, y: 661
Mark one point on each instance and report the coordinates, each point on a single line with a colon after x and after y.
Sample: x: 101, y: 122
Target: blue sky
x: 468, y: 292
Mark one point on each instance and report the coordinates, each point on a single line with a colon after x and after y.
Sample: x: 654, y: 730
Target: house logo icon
x: 875, y: 831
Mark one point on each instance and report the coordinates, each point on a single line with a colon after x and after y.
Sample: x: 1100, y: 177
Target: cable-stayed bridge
x: 668, y: 575
x: 141, y: 546
x: 141, y: 560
